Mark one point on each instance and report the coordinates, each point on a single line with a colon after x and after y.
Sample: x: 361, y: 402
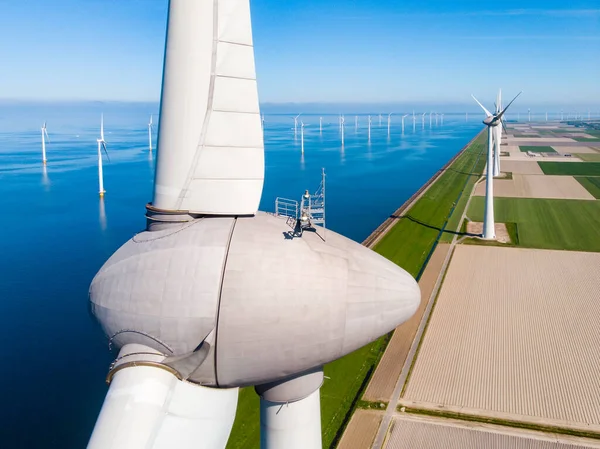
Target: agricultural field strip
x: 414, y: 432
x: 524, y: 351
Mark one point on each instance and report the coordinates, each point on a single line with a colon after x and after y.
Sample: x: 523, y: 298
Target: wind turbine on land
x: 491, y: 121
x: 101, y: 146
x: 150, y: 133
x: 44, y: 137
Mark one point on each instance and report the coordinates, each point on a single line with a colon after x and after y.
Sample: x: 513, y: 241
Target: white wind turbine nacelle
x: 492, y: 121
x: 214, y: 296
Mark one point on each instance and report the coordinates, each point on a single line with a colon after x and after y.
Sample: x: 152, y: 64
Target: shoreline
x: 389, y: 222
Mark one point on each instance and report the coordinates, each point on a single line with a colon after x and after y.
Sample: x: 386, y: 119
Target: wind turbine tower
x: 389, y: 123
x: 430, y: 119
x: 44, y: 137
x: 302, y: 135
x: 491, y: 121
x: 342, y: 124
x: 199, y: 304
x: 529, y: 112
x: 101, y: 147
x: 369, y: 132
x: 403, y: 117
x: 356, y: 123
x: 150, y: 133
x: 442, y: 119
x: 380, y: 120
x: 423, y: 120
x: 296, y: 125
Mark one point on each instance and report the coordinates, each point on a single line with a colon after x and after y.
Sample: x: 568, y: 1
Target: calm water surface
x: 57, y: 233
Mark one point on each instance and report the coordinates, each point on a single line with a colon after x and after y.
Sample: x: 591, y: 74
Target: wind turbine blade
x: 506, y: 108
x: 487, y: 113
x: 105, y: 152
x: 46, y: 132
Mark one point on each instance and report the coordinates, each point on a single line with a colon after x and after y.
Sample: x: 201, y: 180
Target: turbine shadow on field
x: 437, y: 228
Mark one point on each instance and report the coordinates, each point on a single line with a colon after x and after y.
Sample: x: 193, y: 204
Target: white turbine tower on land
x: 101, y: 146
x: 492, y: 121
x: 199, y: 304
x: 44, y: 137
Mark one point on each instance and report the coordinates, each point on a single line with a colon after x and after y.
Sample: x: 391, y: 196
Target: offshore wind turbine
x: 356, y: 122
x: 150, y: 133
x: 491, y: 121
x: 423, y: 119
x: 380, y: 120
x: 369, y: 132
x: 320, y: 125
x: 302, y: 135
x: 342, y: 126
x: 188, y: 342
x: 101, y: 146
x: 44, y: 137
x: 529, y: 112
x: 296, y: 125
x: 430, y: 119
x: 442, y: 119
x: 403, y: 117
x: 389, y: 123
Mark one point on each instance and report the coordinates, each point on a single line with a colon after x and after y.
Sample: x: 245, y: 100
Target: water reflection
x: 102, y: 214
x: 45, y: 179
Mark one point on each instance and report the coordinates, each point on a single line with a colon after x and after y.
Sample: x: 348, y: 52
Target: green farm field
x: 592, y: 184
x: 571, y: 168
x: 589, y: 157
x: 547, y: 224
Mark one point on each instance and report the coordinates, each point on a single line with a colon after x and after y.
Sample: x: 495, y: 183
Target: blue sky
x: 367, y: 51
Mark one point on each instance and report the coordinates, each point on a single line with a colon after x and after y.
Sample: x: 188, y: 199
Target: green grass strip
x: 502, y: 422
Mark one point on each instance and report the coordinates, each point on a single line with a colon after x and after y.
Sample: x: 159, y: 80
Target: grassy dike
x: 408, y: 243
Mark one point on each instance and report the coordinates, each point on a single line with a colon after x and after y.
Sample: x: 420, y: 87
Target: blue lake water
x: 57, y: 232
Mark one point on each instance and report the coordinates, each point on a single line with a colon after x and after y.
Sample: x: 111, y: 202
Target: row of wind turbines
x: 439, y: 119
x: 101, y: 149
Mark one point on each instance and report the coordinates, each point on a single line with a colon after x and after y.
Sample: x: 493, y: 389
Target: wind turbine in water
x: 423, y: 120
x: 389, y: 122
x: 101, y: 147
x: 369, y: 126
x: 188, y: 342
x: 296, y: 125
x: 44, y: 137
x: 403, y: 117
x: 492, y: 121
x: 302, y: 135
x: 320, y: 125
x: 342, y: 126
x: 150, y: 125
